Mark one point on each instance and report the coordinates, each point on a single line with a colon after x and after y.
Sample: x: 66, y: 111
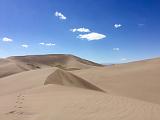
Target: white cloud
x: 123, y: 59
x: 140, y: 24
x: 6, y: 39
x: 50, y: 44
x: 92, y: 36
x: 42, y: 43
x: 60, y: 15
x: 117, y: 25
x: 116, y: 49
x: 47, y: 44
x: 25, y: 45
x: 80, y: 30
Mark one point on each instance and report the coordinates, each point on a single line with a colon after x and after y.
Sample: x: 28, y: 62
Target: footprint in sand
x: 11, y: 112
x: 17, y: 108
x: 21, y: 113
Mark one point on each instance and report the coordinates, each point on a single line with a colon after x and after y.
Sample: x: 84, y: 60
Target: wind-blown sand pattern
x: 50, y: 93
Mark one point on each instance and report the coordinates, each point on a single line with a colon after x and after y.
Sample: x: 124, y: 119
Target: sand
x: 8, y: 67
x: 52, y: 102
x: 140, y: 80
x: 17, y: 64
x: 118, y: 92
x: 65, y: 78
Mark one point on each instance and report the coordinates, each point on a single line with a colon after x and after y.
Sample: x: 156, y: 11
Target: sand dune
x: 16, y: 64
x: 51, y: 93
x: 35, y: 78
x: 65, y: 78
x: 24, y: 80
x: 63, y: 61
x: 139, y: 80
x: 7, y: 68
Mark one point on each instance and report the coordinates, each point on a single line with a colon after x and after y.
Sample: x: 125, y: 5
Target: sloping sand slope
x: 65, y: 78
x: 139, y: 80
x: 18, y: 64
x: 63, y: 61
x: 24, y: 80
x: 52, y: 102
x: 7, y: 68
x: 35, y: 78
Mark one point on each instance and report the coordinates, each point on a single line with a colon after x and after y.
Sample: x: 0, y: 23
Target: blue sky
x: 104, y: 31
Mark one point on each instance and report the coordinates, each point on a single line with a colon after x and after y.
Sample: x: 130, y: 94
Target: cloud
x: 92, y: 36
x: 124, y: 59
x: 25, y: 45
x: 50, y: 44
x: 140, y: 24
x: 116, y: 49
x: 60, y: 15
x: 117, y: 25
x: 47, y: 44
x: 80, y: 30
x: 42, y: 43
x: 6, y: 39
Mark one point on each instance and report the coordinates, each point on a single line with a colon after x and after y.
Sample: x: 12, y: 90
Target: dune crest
x: 65, y: 78
x: 17, y: 64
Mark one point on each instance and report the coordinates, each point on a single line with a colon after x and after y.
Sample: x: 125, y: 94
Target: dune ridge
x: 65, y: 78
x: 63, y: 61
x: 16, y: 64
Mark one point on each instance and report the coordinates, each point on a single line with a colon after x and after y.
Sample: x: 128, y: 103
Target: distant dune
x: 65, y: 87
x: 62, y: 61
x: 8, y: 67
x: 16, y: 64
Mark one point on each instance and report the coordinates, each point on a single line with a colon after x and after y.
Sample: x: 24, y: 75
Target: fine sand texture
x: 118, y: 92
x: 140, y: 80
x: 52, y: 102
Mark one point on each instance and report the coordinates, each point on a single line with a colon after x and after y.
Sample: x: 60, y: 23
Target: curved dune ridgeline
x: 65, y: 78
x: 16, y: 64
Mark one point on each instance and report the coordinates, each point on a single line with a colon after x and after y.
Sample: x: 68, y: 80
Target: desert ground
x: 66, y: 87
